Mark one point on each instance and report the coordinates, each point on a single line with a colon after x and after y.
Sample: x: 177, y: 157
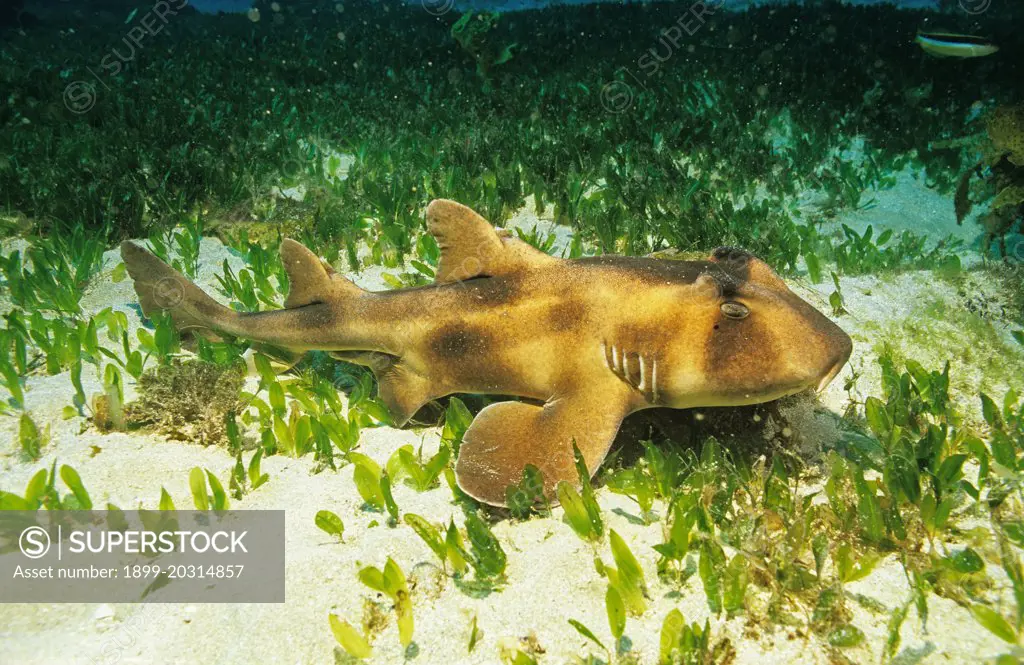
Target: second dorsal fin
x: 310, y: 279
x: 471, y: 247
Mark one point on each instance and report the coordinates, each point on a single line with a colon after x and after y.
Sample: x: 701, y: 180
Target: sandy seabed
x: 551, y: 577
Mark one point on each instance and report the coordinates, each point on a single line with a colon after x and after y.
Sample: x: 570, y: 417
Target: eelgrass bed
x: 883, y: 523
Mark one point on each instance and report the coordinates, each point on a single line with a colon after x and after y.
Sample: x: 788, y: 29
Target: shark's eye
x: 735, y: 310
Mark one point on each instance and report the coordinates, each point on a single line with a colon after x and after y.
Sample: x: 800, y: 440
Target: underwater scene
x: 511, y: 332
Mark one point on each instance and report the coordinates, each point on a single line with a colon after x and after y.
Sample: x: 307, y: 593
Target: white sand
x: 551, y: 577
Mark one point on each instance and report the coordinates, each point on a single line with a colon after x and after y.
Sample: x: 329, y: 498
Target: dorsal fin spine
x: 471, y: 247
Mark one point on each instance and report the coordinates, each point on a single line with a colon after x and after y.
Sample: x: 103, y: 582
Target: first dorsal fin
x: 471, y: 247
x: 310, y: 279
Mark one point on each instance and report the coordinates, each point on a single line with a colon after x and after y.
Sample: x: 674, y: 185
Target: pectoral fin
x: 505, y: 437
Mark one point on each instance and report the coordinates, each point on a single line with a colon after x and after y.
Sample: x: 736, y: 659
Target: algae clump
x: 189, y: 401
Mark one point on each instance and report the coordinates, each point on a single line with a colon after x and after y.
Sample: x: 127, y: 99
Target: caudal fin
x: 161, y: 288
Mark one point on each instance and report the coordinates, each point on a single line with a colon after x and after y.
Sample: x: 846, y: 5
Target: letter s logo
x: 34, y: 542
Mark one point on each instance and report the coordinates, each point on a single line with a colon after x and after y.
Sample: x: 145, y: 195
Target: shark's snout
x: 832, y: 373
x: 841, y: 347
x: 814, y: 347
x: 783, y: 346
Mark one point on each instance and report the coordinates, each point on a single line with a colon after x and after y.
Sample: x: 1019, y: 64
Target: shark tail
x: 161, y: 288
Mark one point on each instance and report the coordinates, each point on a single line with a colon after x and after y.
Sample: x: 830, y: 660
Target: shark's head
x: 761, y: 340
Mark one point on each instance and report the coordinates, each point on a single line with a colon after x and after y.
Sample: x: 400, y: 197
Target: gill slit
x: 654, y: 380
x: 618, y: 363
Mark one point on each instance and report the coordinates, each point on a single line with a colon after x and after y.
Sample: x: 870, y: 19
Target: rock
x: 103, y: 613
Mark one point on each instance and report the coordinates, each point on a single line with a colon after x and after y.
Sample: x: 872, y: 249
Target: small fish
x: 588, y: 341
x: 952, y: 45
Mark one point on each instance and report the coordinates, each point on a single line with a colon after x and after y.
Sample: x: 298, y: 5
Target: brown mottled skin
x: 594, y: 339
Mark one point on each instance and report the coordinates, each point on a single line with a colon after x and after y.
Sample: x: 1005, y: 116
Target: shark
x: 581, y: 342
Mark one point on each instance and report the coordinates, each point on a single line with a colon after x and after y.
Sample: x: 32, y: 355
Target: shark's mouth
x: 827, y: 379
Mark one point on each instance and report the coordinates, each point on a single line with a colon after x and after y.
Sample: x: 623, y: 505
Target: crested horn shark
x: 588, y: 341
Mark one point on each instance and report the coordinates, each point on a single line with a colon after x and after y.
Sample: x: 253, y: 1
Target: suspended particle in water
x: 274, y: 7
x: 338, y: 7
x: 341, y: 36
x: 253, y: 14
x: 762, y: 90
